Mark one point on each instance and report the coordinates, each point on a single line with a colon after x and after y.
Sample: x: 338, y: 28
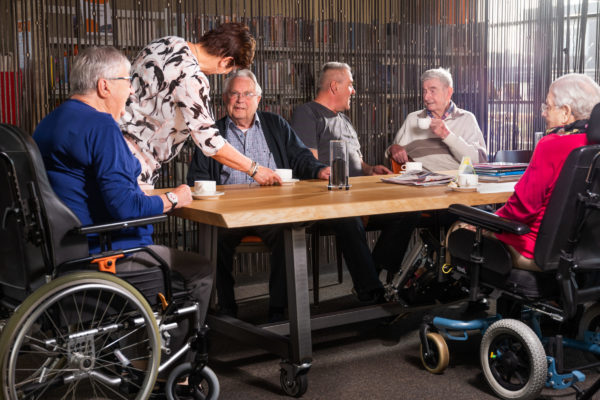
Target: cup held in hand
x: 424, y: 123
x: 205, y: 187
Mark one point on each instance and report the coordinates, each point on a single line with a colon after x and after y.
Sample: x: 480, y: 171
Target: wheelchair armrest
x: 487, y: 220
x: 113, y: 226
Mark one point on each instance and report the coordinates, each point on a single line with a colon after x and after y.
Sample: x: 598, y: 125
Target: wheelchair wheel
x: 84, y: 335
x: 513, y: 360
x: 203, y: 385
x: 590, y: 322
x: 437, y: 362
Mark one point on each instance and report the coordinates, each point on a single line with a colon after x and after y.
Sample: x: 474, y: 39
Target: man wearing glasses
x: 92, y: 170
x: 269, y: 140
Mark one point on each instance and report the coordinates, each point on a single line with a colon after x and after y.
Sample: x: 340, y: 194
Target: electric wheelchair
x: 517, y: 359
x: 73, y: 326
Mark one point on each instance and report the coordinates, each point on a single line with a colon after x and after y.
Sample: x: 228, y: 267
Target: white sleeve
x: 468, y: 142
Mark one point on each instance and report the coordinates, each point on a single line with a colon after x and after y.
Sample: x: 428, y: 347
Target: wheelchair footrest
x: 561, y: 381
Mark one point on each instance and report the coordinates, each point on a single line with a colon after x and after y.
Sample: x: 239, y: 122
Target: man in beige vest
x: 441, y: 134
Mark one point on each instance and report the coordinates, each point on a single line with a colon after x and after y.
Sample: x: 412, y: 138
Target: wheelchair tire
x: 513, y: 360
x: 203, y: 385
x: 438, y: 362
x: 83, y: 335
x: 590, y: 321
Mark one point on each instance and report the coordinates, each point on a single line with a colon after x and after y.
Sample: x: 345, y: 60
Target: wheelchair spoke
x: 76, y: 339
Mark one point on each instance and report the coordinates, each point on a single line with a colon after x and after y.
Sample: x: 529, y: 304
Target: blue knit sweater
x: 93, y: 172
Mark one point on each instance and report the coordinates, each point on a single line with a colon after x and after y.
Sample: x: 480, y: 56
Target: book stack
x: 500, y: 171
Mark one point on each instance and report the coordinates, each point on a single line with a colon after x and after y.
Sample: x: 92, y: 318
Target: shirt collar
x: 451, y: 112
x: 231, y: 125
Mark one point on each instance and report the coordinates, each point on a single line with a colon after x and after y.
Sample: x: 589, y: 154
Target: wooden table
x: 296, y: 205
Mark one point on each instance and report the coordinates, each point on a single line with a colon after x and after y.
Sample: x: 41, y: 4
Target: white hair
x: 441, y: 74
x: 93, y: 63
x: 578, y: 91
x: 242, y: 73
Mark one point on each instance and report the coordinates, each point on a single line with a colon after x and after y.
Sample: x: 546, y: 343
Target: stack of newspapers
x: 420, y: 178
x: 500, y: 171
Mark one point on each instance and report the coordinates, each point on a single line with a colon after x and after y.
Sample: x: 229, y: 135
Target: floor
x: 372, y: 360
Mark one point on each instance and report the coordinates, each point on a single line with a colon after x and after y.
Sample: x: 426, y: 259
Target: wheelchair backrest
x: 561, y: 217
x: 35, y: 225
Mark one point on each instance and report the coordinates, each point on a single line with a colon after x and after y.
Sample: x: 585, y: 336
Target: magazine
x: 420, y: 178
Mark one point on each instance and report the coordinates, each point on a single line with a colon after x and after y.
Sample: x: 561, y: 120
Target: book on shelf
x: 420, y: 178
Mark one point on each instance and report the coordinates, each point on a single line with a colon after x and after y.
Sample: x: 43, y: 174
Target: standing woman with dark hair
x: 171, y: 100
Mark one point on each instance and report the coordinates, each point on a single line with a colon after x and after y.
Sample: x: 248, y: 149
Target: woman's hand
x: 266, y: 177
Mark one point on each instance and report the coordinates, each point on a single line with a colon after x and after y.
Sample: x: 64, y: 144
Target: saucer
x: 289, y: 182
x: 206, y: 196
x: 464, y: 189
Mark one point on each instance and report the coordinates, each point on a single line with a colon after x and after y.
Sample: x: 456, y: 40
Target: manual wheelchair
x: 517, y: 359
x: 73, y: 326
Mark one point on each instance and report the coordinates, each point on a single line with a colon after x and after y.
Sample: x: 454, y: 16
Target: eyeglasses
x: 245, y: 95
x: 120, y: 78
x: 545, y: 107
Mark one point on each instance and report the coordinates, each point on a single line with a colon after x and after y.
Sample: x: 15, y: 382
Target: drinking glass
x: 338, y: 156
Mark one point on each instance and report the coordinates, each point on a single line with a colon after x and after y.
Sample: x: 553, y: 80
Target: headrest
x: 593, y: 129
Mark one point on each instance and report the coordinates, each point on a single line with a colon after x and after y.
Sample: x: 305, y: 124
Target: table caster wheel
x: 293, y: 386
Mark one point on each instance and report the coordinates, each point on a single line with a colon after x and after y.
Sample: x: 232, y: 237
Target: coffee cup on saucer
x: 424, y: 123
x: 205, y: 187
x: 412, y: 166
x: 467, y: 180
x: 284, y: 173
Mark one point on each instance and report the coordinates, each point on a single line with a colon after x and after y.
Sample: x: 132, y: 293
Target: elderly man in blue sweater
x: 93, y: 172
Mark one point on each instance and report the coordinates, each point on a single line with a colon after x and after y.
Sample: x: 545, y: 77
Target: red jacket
x: 532, y: 193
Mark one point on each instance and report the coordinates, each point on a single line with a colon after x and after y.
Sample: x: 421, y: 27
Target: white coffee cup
x: 205, y: 186
x: 412, y: 166
x: 467, y: 180
x: 284, y: 173
x: 424, y: 123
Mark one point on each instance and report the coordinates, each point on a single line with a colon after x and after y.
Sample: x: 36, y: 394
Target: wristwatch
x: 172, y: 197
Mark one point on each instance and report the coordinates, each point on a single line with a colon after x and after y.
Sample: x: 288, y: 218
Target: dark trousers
x: 396, y: 230
x: 272, y: 236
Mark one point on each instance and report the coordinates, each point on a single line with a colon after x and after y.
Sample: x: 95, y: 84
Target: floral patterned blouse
x: 171, y: 102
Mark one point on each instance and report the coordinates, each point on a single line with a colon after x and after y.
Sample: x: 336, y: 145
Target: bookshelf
x: 387, y: 43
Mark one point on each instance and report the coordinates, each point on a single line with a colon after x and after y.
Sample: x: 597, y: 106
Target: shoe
x: 276, y: 314
x: 375, y: 296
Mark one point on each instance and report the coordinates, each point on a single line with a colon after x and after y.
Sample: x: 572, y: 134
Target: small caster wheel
x: 203, y: 385
x: 437, y: 361
x: 293, y: 386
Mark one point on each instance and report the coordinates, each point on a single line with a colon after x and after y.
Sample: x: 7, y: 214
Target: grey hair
x: 327, y: 77
x: 242, y: 73
x: 441, y: 74
x: 578, y: 91
x: 93, y: 63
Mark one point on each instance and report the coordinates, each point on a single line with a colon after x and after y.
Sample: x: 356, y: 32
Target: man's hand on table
x: 184, y: 197
x: 376, y: 170
x: 398, y: 154
x: 324, y: 173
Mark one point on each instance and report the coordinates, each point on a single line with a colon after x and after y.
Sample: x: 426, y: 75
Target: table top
x: 310, y: 200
